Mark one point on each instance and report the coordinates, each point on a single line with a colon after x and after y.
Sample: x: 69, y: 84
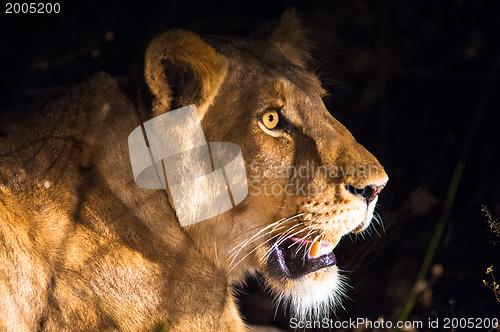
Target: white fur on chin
x: 312, y: 296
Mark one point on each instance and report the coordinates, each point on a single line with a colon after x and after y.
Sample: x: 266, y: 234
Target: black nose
x: 368, y: 193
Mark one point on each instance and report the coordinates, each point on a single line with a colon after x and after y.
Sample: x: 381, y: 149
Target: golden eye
x: 270, y: 119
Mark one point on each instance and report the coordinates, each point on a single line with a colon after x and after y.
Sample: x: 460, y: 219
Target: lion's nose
x: 368, y: 193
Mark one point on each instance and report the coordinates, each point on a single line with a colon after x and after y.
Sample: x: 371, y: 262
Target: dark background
x: 417, y: 83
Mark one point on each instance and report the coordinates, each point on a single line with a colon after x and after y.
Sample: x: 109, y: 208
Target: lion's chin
x: 311, y: 296
x: 303, y: 276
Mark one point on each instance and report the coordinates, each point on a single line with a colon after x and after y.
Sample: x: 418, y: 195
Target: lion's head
x: 310, y: 182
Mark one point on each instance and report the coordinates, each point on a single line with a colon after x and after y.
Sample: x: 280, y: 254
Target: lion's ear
x: 291, y: 39
x: 181, y: 69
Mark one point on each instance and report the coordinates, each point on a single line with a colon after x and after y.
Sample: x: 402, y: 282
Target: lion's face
x: 310, y: 183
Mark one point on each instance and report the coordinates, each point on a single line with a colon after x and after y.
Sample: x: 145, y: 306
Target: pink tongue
x: 316, y: 248
x: 301, y: 241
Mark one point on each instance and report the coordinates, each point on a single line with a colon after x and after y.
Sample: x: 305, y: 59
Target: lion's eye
x: 270, y: 119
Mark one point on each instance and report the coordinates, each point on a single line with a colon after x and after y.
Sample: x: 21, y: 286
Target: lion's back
x: 44, y: 158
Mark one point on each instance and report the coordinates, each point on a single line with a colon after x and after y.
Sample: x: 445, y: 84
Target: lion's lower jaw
x: 312, y: 296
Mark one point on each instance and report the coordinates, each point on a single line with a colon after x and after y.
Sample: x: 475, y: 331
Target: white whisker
x: 275, y: 225
x: 280, y: 240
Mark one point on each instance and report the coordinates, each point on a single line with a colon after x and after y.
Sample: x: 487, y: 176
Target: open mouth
x: 296, y: 257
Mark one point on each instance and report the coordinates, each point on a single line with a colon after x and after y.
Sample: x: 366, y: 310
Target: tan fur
x: 202, y: 68
x: 291, y: 39
x: 83, y: 248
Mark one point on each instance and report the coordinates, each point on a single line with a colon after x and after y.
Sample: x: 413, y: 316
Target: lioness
x: 83, y: 248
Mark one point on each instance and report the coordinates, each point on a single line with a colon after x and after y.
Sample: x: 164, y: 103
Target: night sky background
x: 417, y: 83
